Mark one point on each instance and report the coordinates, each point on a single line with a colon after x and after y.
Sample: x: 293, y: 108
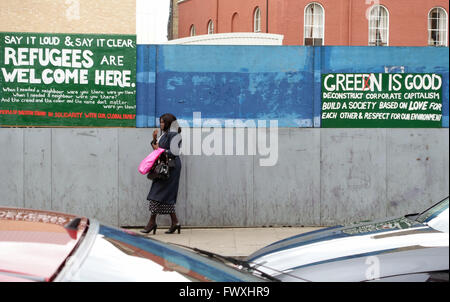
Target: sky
x: 151, y: 21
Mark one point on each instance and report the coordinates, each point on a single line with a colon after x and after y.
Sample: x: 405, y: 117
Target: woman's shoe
x: 173, y: 228
x: 153, y: 228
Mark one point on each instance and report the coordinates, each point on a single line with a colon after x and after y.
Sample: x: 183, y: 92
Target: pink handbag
x: 147, y: 163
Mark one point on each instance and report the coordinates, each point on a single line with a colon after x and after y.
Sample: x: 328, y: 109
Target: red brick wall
x: 345, y: 20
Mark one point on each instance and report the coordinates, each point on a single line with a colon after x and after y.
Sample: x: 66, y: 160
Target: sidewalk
x: 236, y: 242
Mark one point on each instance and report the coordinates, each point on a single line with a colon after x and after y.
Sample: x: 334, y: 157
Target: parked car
x: 408, y: 248
x: 51, y: 246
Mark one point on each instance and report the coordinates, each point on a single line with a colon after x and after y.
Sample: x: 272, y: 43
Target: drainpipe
x: 350, y: 23
x: 267, y: 16
x: 217, y: 17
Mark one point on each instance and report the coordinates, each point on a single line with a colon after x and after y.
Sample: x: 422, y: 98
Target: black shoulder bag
x: 160, y: 169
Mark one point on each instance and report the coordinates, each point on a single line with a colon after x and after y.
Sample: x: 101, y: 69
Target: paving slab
x: 237, y: 242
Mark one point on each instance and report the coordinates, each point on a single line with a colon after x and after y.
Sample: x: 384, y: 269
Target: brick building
x: 324, y: 22
x: 172, y: 25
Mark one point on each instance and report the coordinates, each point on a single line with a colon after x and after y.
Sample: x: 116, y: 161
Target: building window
x: 234, y: 22
x: 378, y: 26
x: 210, y: 27
x: 257, y: 20
x: 314, y: 24
x: 192, y: 30
x: 437, y: 27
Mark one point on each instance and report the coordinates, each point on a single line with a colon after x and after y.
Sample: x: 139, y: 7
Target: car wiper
x: 412, y: 216
x: 232, y: 260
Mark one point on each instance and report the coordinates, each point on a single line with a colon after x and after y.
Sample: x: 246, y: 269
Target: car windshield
x: 120, y: 255
x: 436, y: 216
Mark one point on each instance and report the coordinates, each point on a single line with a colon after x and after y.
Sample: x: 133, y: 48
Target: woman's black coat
x: 166, y: 191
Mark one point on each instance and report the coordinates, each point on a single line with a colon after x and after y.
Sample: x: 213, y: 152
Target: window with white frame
x: 210, y: 27
x: 378, y: 26
x: 314, y: 24
x: 192, y: 30
x: 257, y: 20
x: 437, y: 27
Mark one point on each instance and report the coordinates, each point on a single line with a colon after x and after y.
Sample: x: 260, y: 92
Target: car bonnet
x: 339, y: 242
x: 35, y: 244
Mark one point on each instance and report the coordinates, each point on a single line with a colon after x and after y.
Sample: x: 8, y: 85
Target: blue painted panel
x: 145, y: 87
x: 285, y: 97
x: 317, y: 89
x: 224, y: 58
x: 364, y: 59
x: 236, y: 82
x: 280, y: 83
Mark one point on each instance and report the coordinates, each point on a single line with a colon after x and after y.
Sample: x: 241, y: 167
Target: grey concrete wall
x: 322, y: 177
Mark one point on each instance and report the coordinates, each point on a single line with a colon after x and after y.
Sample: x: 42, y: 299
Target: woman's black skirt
x: 161, y: 208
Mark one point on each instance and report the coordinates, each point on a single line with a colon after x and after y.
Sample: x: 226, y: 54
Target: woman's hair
x: 168, y: 119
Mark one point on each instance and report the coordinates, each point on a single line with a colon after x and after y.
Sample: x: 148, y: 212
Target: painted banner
x: 382, y: 100
x: 67, y: 80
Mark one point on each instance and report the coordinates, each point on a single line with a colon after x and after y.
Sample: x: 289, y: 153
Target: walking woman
x: 163, y: 193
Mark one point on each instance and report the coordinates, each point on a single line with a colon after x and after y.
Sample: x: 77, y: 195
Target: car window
x: 436, y: 217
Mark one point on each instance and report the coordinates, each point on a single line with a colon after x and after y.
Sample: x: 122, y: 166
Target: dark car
x: 51, y: 246
x: 409, y: 248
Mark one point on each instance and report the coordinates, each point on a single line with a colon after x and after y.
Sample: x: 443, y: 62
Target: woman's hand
x: 154, y: 143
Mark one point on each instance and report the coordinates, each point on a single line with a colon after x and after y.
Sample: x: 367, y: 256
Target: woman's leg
x: 175, y: 225
x: 152, y: 221
x: 151, y: 225
x: 173, y: 217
